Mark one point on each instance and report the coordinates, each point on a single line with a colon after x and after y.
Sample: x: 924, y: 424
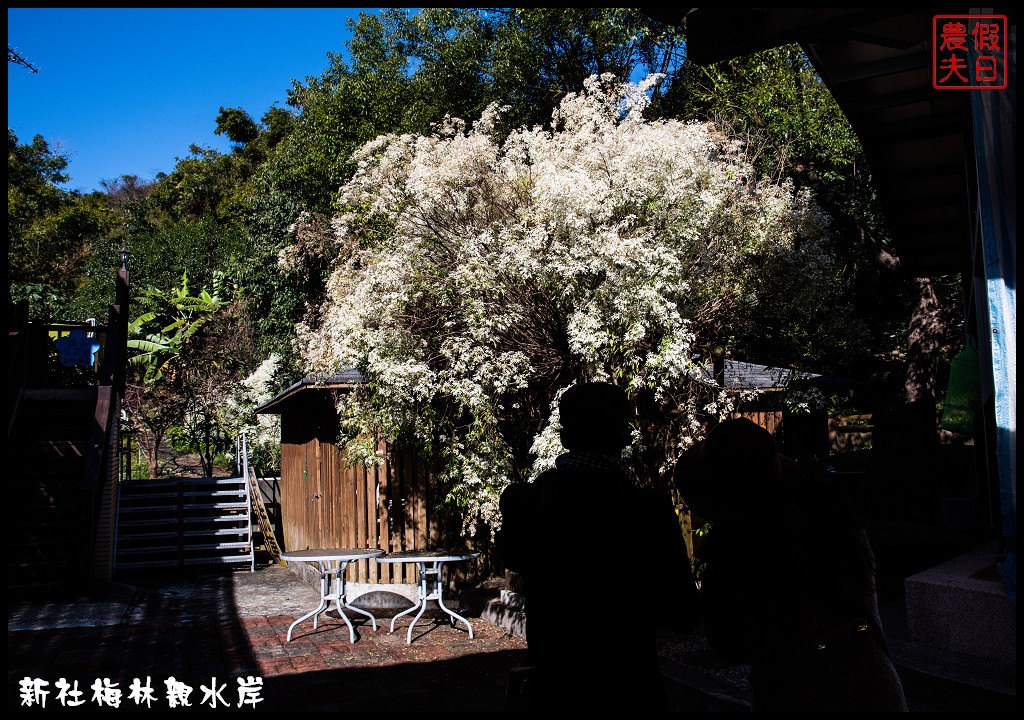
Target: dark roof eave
x: 346, y: 380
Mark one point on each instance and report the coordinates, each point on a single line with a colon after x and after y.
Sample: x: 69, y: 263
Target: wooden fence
x: 326, y: 501
x: 850, y: 433
x: 846, y: 433
x: 770, y: 420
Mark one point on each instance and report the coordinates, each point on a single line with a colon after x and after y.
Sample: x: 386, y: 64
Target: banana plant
x: 156, y: 337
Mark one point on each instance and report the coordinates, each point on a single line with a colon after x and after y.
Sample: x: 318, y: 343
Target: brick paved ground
x: 226, y: 625
x: 203, y: 627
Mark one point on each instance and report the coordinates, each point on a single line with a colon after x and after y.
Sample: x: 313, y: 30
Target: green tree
x: 474, y: 278
x: 187, y: 351
x: 198, y: 186
x: 407, y: 72
x: 50, y: 231
x: 300, y: 179
x: 794, y: 129
x: 538, y: 55
x: 237, y: 125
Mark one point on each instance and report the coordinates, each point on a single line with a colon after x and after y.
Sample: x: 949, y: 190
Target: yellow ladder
x: 269, y: 539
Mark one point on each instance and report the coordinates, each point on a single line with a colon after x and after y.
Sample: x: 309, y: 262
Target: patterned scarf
x: 583, y: 461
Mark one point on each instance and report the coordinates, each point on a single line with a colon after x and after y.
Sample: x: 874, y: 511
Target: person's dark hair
x: 740, y: 449
x: 595, y: 416
x: 736, y: 465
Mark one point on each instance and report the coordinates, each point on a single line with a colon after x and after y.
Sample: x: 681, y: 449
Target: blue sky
x: 127, y: 91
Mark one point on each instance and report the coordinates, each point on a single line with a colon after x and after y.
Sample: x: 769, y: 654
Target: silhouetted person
x: 604, y: 564
x: 787, y: 578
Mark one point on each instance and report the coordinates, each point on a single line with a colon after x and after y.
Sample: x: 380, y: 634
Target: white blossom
x: 804, y: 399
x: 468, y: 270
x: 262, y: 432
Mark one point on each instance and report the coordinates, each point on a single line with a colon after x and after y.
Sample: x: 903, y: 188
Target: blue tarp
x: 995, y: 137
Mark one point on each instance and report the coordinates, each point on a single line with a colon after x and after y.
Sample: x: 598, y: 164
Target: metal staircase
x: 200, y: 521
x: 184, y: 521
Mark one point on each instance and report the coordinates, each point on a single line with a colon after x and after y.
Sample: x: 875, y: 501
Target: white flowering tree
x: 262, y: 432
x: 474, y: 278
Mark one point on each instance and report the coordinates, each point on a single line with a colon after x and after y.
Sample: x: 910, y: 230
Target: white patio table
x: 333, y: 563
x: 429, y: 564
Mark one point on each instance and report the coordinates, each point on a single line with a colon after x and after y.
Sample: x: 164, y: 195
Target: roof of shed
x: 343, y: 380
x: 739, y: 375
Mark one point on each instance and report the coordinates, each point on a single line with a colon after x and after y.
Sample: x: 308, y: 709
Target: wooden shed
x: 328, y: 501
x: 805, y: 437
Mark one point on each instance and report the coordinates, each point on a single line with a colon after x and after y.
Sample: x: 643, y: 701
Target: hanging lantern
x: 963, y: 395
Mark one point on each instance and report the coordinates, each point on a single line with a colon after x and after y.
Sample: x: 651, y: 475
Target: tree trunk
x: 150, y: 441
x: 923, y: 353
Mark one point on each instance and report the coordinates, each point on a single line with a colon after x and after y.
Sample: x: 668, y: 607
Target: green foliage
x: 160, y: 255
x: 188, y: 353
x: 277, y: 124
x: 795, y: 129
x: 302, y: 173
x: 168, y: 323
x: 198, y: 186
x: 34, y: 168
x: 697, y: 561
x: 139, y: 467
x: 179, y: 440
x: 237, y: 125
x: 537, y: 55
x: 50, y: 232
x: 793, y: 125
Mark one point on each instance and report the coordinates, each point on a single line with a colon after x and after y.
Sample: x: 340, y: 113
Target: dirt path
x: 175, y: 464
